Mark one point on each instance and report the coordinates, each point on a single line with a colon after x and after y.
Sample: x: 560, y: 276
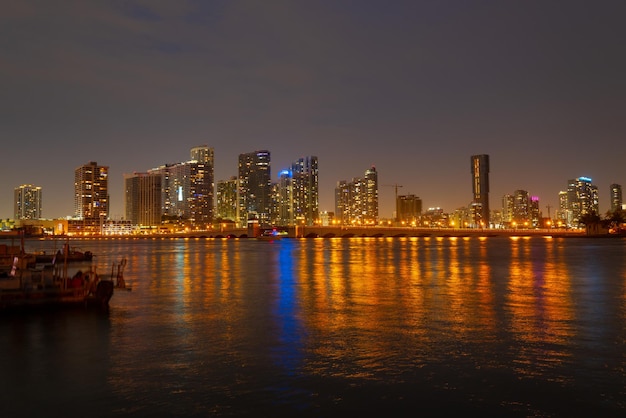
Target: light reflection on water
x: 517, y: 326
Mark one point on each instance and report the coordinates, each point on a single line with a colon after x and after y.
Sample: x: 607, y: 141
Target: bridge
x: 383, y: 231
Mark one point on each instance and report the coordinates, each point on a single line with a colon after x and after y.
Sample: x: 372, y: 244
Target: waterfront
x: 497, y: 326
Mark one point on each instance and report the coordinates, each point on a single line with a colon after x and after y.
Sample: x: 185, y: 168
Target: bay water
x: 495, y: 326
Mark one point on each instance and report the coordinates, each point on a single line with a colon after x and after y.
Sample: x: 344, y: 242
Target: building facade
x: 27, y: 203
x: 521, y: 208
x: 187, y: 188
x: 142, y: 205
x: 534, y: 212
x: 255, y: 187
x: 480, y: 189
x: 616, y: 197
x: 409, y: 209
x: 305, y: 174
x: 91, y: 192
x: 356, y: 202
x: 508, y: 202
x: 283, y: 204
x: 226, y: 199
x: 582, y: 199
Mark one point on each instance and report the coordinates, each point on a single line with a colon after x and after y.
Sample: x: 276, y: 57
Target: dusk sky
x: 412, y: 87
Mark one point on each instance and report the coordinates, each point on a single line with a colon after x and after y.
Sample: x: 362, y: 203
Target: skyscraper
x: 254, y: 187
x: 187, y: 188
x: 582, y: 198
x: 409, y: 209
x: 202, y: 188
x: 305, y: 190
x: 356, y: 202
x: 283, y: 208
x: 91, y: 192
x: 371, y: 196
x: 521, y: 208
x: 616, y: 197
x: 508, y: 202
x: 226, y: 199
x: 534, y: 212
x: 342, y: 202
x: 143, y: 199
x: 27, y: 203
x: 480, y: 188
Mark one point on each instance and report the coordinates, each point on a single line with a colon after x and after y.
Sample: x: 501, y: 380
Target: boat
x: 269, y: 235
x: 67, y: 254
x: 26, y: 287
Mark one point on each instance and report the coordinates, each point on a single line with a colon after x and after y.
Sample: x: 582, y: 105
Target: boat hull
x: 11, y: 299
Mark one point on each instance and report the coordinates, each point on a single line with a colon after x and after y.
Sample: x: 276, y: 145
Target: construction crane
x: 396, y: 185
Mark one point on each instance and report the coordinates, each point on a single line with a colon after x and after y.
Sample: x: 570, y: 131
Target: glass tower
x: 480, y: 188
x: 27, y: 204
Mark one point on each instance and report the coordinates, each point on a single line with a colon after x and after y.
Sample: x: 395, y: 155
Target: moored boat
x: 27, y: 287
x: 68, y: 254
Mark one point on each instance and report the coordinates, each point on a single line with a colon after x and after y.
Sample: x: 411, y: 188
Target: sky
x: 413, y: 88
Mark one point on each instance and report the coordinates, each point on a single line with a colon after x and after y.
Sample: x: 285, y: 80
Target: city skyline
x: 412, y: 88
x: 481, y: 206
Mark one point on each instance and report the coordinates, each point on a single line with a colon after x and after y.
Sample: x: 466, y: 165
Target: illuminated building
x: 202, y: 185
x: 534, y: 212
x: 409, y: 209
x: 254, y: 187
x: 356, y: 202
x: 226, y: 199
x: 143, y: 199
x: 305, y: 175
x: 91, y: 192
x: 507, y: 209
x: 521, y: 208
x: 562, y: 212
x: 582, y: 198
x: 480, y: 189
x: 616, y: 197
x: 342, y: 202
x: 295, y: 197
x: 370, y: 214
x: 435, y: 217
x: 27, y: 203
x: 187, y: 188
x: 283, y: 200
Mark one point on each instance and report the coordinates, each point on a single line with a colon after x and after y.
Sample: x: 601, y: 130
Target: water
x: 332, y: 327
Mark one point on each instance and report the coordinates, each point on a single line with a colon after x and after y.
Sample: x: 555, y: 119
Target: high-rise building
x: 254, y: 187
x: 91, y: 192
x: 356, y: 202
x: 283, y: 213
x: 534, y: 212
x: 521, y: 208
x: 187, y: 188
x: 582, y: 198
x: 371, y: 196
x: 342, y: 202
x: 27, y: 203
x: 480, y: 189
x: 409, y: 209
x: 143, y: 199
x: 508, y: 202
x: 616, y: 197
x: 562, y: 213
x: 202, y: 188
x: 226, y: 199
x: 305, y: 175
